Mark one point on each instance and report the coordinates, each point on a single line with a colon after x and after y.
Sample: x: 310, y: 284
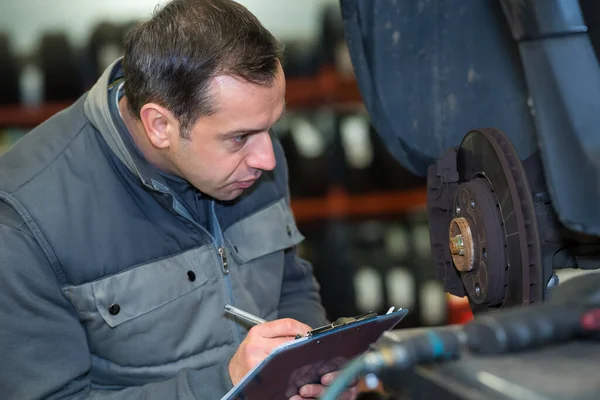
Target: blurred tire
x: 60, y: 68
x: 9, y: 72
x: 105, y: 46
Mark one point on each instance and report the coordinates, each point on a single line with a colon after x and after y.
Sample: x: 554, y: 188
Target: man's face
x: 227, y: 151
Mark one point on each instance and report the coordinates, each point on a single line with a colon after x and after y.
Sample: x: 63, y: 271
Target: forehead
x: 230, y: 91
x: 237, y: 101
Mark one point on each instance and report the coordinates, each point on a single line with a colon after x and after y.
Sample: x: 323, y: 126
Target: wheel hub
x: 483, y: 225
x: 461, y: 244
x: 477, y: 224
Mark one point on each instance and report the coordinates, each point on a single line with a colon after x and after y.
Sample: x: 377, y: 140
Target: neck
x: 137, y: 131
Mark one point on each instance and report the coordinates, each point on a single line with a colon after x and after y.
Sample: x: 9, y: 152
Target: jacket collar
x: 97, y: 108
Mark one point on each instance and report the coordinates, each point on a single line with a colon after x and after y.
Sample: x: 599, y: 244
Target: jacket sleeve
x: 43, y: 346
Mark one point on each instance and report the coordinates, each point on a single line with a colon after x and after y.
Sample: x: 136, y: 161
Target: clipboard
x: 304, y: 360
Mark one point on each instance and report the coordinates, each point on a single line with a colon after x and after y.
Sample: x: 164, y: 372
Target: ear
x: 160, y: 125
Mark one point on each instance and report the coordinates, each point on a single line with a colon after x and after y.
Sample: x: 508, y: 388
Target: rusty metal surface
x: 461, y: 244
x: 488, y: 154
x: 486, y: 282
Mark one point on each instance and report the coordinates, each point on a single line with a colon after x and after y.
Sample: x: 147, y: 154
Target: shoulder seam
x: 60, y: 153
x: 18, y: 228
x: 36, y: 233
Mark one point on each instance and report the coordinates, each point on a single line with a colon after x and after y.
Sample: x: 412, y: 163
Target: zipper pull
x: 224, y: 260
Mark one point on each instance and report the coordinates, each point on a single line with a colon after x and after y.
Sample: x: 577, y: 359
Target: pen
x: 246, y: 316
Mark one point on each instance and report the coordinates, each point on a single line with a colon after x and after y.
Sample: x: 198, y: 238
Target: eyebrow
x: 246, y: 131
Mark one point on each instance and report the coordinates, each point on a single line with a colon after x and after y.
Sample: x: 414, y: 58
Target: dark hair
x: 171, y: 58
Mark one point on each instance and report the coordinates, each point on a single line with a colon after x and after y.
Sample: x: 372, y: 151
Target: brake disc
x: 492, y: 242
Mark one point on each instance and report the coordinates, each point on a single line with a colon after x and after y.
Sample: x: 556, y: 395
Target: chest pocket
x: 137, y: 291
x: 267, y: 231
x: 257, y: 245
x: 155, y: 313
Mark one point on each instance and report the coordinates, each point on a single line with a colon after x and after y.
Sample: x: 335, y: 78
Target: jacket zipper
x: 221, y: 250
x: 223, y: 254
x: 217, y: 240
x: 218, y: 234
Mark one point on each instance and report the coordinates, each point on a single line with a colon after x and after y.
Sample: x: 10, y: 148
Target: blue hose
x: 355, y: 369
x: 427, y: 347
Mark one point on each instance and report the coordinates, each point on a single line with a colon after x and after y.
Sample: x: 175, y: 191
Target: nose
x: 261, y: 155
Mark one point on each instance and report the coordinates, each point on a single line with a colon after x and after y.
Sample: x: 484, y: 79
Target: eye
x: 240, y: 139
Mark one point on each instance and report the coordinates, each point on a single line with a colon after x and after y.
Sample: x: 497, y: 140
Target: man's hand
x: 259, y: 342
x: 312, y: 391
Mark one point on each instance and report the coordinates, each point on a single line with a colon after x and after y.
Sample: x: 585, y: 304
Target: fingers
x: 277, y: 341
x: 256, y: 348
x: 298, y: 397
x: 328, y: 378
x: 281, y: 327
x: 312, y: 390
x: 260, y: 341
x: 350, y: 394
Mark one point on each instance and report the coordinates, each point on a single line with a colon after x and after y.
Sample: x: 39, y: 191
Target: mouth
x: 245, y: 184
x: 249, y: 182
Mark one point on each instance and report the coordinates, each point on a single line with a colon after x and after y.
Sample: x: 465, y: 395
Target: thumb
x: 281, y: 327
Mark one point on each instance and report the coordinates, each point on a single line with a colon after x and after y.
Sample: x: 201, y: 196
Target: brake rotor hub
x: 476, y: 231
x: 461, y: 244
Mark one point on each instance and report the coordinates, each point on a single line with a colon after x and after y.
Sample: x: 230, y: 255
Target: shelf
x: 339, y: 204
x: 327, y: 88
x: 28, y: 117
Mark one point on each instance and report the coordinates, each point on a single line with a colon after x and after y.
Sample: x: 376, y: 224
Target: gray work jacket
x: 111, y: 288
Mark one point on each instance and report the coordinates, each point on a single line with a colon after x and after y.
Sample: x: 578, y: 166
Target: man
x: 130, y: 219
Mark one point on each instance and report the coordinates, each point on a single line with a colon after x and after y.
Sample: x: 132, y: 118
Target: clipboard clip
x: 341, y: 322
